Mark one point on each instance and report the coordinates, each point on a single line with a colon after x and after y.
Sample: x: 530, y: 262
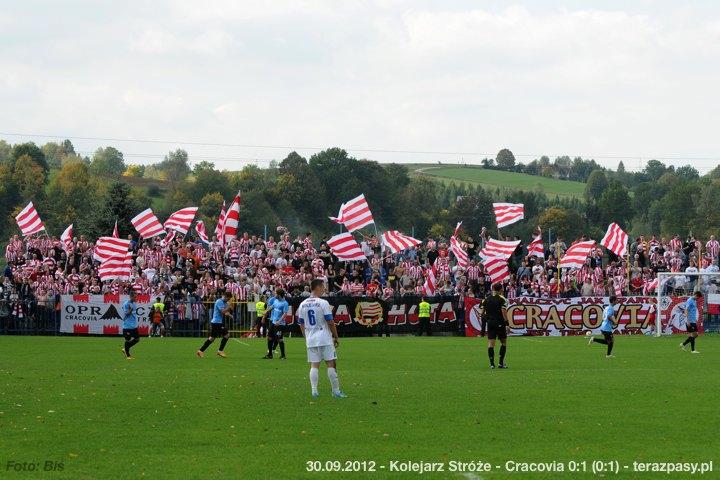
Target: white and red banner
x: 29, y: 221
x: 456, y: 247
x: 231, y: 221
x: 67, y: 237
x: 497, y: 268
x: 615, y: 240
x: 397, y: 242
x: 535, y: 248
x: 200, y: 229
x: 110, y: 247
x: 181, y: 220
x: 499, y: 248
x: 508, y: 213
x: 116, y: 268
x: 354, y: 214
x: 220, y: 226
x: 576, y: 316
x: 147, y: 224
x: 100, y: 314
x: 576, y: 255
x: 344, y: 247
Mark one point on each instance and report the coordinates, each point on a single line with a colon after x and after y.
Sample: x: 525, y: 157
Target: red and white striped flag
x: 220, y: 226
x: 29, y: 221
x: 66, y: 237
x: 460, y: 254
x: 344, y: 247
x: 499, y: 248
x: 232, y: 220
x: 116, y: 268
x: 147, y: 224
x: 116, y: 232
x: 456, y: 247
x: 396, y: 241
x: 497, y: 268
x: 508, y: 213
x: 577, y: 253
x: 430, y: 286
x: 110, y: 247
x: 168, y: 238
x: 536, y: 248
x: 615, y: 240
x: 181, y: 220
x: 200, y: 229
x: 354, y: 214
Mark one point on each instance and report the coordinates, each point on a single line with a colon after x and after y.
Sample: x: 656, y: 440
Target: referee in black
x: 494, y: 310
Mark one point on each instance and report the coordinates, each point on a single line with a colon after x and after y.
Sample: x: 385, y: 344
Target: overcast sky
x: 600, y: 79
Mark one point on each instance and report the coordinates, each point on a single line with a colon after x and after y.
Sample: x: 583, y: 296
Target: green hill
x: 499, y: 179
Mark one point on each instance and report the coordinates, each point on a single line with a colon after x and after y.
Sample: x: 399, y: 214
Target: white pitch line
x: 243, y: 343
x: 531, y: 340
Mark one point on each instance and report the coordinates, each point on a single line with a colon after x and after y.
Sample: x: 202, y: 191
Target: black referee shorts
x: 218, y: 330
x: 691, y: 327
x: 496, y: 331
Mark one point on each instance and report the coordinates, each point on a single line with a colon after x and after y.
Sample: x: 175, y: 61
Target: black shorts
x: 691, y: 327
x: 276, y: 330
x: 130, y: 333
x: 218, y: 329
x: 495, y: 330
x: 608, y: 336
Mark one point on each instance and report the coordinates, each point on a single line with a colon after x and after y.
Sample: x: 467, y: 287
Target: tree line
x: 92, y: 192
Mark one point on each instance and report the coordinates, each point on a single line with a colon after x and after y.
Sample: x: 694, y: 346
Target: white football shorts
x: 319, y: 354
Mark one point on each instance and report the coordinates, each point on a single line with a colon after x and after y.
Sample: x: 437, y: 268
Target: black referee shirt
x: 493, y: 306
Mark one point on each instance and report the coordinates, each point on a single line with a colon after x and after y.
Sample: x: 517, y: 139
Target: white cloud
x: 154, y: 40
x: 389, y: 74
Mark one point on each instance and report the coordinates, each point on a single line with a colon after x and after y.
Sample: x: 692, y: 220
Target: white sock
x: 334, y: 382
x: 314, y: 378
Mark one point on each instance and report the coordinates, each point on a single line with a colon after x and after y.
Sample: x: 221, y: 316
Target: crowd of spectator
x: 40, y: 269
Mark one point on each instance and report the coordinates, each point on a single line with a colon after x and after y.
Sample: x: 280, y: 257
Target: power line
x: 194, y: 158
x: 367, y: 150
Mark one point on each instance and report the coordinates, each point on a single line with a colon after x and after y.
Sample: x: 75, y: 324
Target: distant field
x: 496, y: 178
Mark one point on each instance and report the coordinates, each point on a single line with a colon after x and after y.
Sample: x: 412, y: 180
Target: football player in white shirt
x: 318, y: 328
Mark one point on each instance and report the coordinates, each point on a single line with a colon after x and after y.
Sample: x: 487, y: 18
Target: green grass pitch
x: 168, y: 414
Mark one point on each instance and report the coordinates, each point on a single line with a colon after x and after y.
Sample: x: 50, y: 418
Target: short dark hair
x: 227, y: 294
x: 699, y: 294
x: 316, y: 282
x: 280, y: 292
x: 613, y: 298
x: 496, y: 287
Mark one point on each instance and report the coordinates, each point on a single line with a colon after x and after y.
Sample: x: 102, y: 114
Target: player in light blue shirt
x: 130, y: 324
x: 691, y: 319
x: 277, y: 308
x: 607, y: 327
x: 217, y: 325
